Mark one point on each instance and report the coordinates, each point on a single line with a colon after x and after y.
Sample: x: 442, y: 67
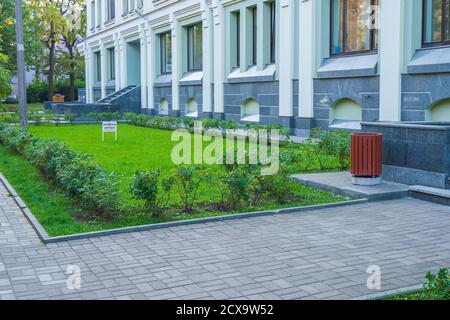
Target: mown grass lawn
x: 136, y: 149
x: 32, y: 107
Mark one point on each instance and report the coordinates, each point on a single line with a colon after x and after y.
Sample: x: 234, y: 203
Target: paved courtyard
x: 315, y: 255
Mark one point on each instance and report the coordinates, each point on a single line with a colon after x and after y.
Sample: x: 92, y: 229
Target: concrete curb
x: 43, y: 235
x: 390, y: 293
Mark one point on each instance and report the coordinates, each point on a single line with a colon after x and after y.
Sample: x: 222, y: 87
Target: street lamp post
x: 21, y: 66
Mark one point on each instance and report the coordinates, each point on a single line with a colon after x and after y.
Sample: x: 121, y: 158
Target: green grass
x: 407, y: 296
x: 38, y: 106
x: 136, y: 149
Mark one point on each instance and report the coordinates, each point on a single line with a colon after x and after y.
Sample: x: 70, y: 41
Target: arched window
x: 250, y: 110
x: 346, y: 114
x: 439, y: 112
x: 163, y: 107
x: 191, y: 108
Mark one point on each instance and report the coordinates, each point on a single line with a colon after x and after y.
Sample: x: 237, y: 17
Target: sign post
x: 109, y: 126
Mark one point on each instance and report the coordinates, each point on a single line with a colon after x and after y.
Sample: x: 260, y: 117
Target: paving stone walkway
x: 314, y: 255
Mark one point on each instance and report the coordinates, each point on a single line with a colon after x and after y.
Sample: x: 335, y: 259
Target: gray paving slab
x: 321, y: 254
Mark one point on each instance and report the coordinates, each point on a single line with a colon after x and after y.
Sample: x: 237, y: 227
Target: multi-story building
x: 300, y: 63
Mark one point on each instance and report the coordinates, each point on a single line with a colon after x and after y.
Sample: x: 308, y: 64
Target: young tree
x: 51, y: 15
x: 73, y: 28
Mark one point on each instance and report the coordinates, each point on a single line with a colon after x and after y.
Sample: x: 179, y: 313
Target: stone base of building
x: 414, y: 177
x: 302, y: 127
x: 218, y: 115
x: 174, y: 113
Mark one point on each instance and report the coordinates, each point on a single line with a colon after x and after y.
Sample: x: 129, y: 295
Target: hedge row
x: 77, y: 174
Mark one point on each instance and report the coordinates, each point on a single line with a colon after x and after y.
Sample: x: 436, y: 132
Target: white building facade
x: 299, y: 63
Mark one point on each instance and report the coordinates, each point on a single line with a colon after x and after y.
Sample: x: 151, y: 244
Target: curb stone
x: 45, y: 238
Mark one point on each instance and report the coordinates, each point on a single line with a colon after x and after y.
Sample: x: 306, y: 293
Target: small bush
x: 154, y: 190
x: 70, y: 117
x: 188, y: 180
x: 437, y: 287
x: 336, y: 143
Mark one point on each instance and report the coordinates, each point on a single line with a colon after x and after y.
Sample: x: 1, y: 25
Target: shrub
x: 70, y: 117
x: 154, y: 190
x: 83, y: 178
x: 336, y: 143
x: 78, y: 175
x: 437, y: 287
x: 235, y: 186
x: 188, y: 180
x: 36, y: 117
x: 37, y: 91
x: 130, y: 117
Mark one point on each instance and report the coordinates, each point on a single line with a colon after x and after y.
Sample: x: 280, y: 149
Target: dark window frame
x: 443, y: 41
x: 254, y: 14
x: 273, y: 30
x: 111, y: 6
x: 188, y: 47
x: 112, y: 63
x: 373, y: 33
x: 98, y: 66
x: 238, y: 38
x: 162, y: 52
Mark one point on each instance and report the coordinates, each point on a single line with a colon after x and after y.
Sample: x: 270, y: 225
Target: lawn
x: 38, y: 106
x: 137, y: 148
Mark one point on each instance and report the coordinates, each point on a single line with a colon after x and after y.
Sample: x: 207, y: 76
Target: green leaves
x: 437, y: 287
x: 153, y: 189
x: 77, y: 174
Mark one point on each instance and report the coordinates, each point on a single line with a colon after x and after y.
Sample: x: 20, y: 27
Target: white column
x: 150, y: 67
x: 123, y: 63
x: 218, y: 57
x: 285, y: 57
x: 89, y: 67
x: 143, y: 43
x: 391, y: 58
x: 307, y: 57
x: 117, y: 62
x: 103, y: 69
x: 176, y: 43
x: 207, y: 66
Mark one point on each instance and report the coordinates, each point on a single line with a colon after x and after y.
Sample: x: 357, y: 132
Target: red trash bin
x: 366, y: 157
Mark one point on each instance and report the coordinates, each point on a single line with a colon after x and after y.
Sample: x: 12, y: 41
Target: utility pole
x: 21, y: 66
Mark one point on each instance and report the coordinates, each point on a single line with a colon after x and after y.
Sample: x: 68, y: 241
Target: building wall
x: 298, y: 90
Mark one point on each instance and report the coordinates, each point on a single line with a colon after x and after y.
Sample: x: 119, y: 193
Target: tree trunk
x: 72, y: 75
x: 51, y: 70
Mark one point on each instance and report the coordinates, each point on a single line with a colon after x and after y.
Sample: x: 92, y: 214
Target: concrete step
x: 435, y: 195
x: 340, y: 183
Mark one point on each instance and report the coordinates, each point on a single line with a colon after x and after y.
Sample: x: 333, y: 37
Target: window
x: 140, y: 3
x: 236, y: 36
x: 125, y: 6
x: 111, y: 8
x: 194, y: 47
x: 165, y: 40
x: 254, y: 17
x: 112, y: 64
x: 93, y: 15
x: 350, y: 30
x: 436, y: 29
x: 97, y: 67
x: 99, y: 13
x: 272, y: 31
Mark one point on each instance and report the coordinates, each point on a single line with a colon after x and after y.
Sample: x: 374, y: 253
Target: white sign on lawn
x: 109, y: 126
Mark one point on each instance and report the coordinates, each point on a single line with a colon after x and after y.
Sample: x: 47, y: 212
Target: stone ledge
x: 430, y: 60
x: 349, y: 66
